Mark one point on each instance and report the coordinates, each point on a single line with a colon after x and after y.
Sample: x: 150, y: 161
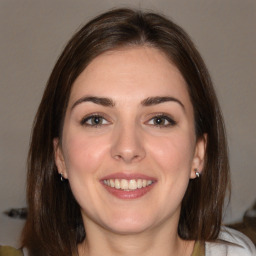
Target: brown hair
x: 54, y: 225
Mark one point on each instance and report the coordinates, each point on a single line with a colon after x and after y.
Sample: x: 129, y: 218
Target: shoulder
x: 231, y: 243
x: 10, y: 251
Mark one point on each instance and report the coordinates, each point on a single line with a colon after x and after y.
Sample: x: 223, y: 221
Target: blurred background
x: 33, y: 33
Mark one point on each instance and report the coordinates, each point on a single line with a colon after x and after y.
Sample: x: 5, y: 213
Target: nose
x: 128, y: 145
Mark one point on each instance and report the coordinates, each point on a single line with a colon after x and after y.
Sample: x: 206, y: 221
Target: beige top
x: 199, y: 249
x: 9, y: 251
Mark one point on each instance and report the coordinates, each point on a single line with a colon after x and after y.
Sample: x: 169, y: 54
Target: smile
x: 128, y: 185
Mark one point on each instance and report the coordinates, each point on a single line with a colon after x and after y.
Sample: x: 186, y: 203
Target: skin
x: 129, y: 140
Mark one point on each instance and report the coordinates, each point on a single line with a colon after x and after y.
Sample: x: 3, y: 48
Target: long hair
x: 54, y: 224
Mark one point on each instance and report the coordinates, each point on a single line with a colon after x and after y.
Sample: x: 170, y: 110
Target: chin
x: 129, y: 224
x: 128, y: 229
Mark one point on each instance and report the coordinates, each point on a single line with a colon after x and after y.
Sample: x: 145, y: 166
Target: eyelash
x: 104, y: 121
x: 90, y: 118
x: 164, y: 117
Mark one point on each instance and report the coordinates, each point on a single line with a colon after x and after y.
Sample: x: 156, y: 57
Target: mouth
x: 128, y: 186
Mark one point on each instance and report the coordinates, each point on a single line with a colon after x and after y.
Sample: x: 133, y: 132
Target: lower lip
x: 131, y: 194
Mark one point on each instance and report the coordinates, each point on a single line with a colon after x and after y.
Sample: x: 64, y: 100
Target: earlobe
x: 59, y: 159
x: 199, y: 157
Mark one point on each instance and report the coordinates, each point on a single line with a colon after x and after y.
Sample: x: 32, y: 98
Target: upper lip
x: 128, y: 176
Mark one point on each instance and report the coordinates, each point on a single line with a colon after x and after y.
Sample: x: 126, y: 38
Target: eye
x: 94, y: 121
x: 161, y: 121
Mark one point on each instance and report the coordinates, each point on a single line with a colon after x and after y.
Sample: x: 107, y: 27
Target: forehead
x: 136, y: 72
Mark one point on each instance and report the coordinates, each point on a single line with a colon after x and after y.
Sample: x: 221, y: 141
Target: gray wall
x: 34, y: 32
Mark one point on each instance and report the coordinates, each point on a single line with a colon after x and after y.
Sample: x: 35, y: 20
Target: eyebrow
x: 158, y: 100
x: 107, y: 102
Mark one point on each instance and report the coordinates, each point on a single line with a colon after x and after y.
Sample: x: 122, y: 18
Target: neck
x: 160, y: 241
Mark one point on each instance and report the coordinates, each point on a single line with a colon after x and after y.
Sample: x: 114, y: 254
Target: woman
x: 128, y: 153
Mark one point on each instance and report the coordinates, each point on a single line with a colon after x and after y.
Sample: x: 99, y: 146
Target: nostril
x: 127, y: 156
x: 117, y: 157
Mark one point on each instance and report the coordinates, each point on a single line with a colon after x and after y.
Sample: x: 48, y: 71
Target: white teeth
x: 112, y: 183
x: 149, y: 182
x: 139, y: 183
x: 127, y: 184
x: 124, y: 184
x: 117, y: 184
x: 132, y: 185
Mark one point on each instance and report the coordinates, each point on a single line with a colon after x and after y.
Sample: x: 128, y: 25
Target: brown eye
x: 162, y: 121
x: 94, y: 120
x: 159, y: 121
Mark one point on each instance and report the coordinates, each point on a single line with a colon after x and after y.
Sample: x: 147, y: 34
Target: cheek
x: 173, y: 154
x: 84, y: 154
x: 172, y: 157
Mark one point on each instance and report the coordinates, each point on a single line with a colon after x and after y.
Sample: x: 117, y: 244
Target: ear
x: 199, y: 156
x: 59, y: 158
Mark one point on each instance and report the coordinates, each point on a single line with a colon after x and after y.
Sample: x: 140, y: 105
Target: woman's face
x: 129, y: 147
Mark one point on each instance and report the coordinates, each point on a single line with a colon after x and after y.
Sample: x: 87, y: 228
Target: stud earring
x: 197, y: 173
x: 61, y: 177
